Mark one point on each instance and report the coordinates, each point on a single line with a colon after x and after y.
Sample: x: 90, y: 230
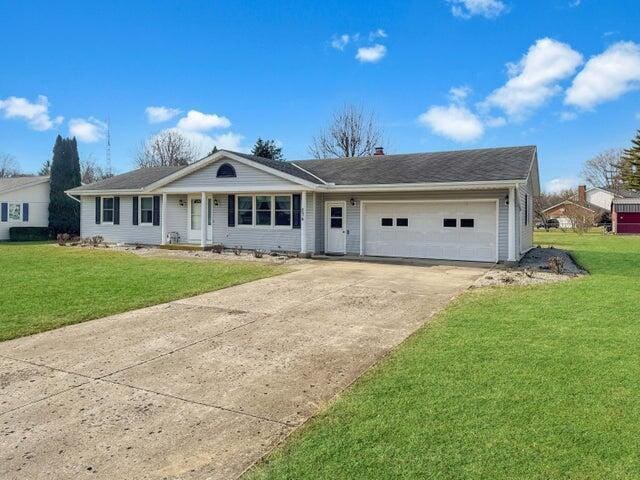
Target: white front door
x: 194, y: 219
x: 336, y: 227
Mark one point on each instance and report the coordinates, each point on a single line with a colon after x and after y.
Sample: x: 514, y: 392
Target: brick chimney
x: 379, y: 151
x: 582, y: 194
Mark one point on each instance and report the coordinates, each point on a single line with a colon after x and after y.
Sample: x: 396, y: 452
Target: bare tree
x: 166, y: 148
x: 91, y: 171
x: 546, y: 200
x: 603, y: 170
x: 8, y: 166
x: 352, y: 132
x: 582, y: 219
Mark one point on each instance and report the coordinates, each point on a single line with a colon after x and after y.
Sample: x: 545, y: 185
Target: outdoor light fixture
x: 215, y: 202
x: 181, y: 203
x: 506, y: 199
x: 352, y: 202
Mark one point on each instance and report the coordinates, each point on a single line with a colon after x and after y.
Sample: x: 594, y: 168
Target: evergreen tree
x: 630, y: 168
x: 45, y: 169
x: 214, y: 150
x: 64, y: 212
x: 267, y: 149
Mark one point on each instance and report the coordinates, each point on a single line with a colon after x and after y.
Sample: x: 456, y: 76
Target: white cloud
x: 204, y: 143
x: 568, y: 116
x: 485, y: 8
x: 534, y: 79
x: 575, y: 3
x: 160, y: 114
x: 340, y: 42
x: 455, y: 122
x: 201, y: 122
x: 371, y: 54
x: 379, y: 33
x: 87, y: 130
x: 607, y: 76
x: 36, y: 114
x: 459, y: 94
x: 495, y: 122
x: 557, y: 185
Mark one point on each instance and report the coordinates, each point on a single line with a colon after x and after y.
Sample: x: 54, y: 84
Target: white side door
x: 336, y: 227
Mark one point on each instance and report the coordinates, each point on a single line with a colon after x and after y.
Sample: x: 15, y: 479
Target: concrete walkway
x: 204, y: 387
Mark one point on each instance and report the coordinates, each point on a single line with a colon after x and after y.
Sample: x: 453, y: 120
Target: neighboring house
x: 593, y: 202
x: 24, y: 202
x: 465, y: 205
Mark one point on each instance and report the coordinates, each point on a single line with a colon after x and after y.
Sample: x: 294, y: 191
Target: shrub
x: 30, y: 234
x: 258, y: 253
x: 217, y: 248
x: 63, y: 238
x: 556, y: 264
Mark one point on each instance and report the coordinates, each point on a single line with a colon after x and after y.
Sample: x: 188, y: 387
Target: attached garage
x: 452, y: 230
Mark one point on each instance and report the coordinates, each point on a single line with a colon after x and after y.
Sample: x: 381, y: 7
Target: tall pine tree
x: 64, y: 212
x: 267, y: 149
x: 630, y: 165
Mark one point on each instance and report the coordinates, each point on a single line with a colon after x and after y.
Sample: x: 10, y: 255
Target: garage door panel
x: 425, y: 236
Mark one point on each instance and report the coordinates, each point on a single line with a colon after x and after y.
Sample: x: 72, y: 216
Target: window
x: 245, y: 210
x: 466, y: 222
x: 283, y: 210
x: 263, y: 210
x: 402, y: 222
x: 15, y: 212
x: 107, y: 209
x: 336, y: 217
x: 386, y: 222
x: 146, y: 210
x: 526, y: 209
x: 226, y: 171
x: 450, y: 223
x: 196, y: 213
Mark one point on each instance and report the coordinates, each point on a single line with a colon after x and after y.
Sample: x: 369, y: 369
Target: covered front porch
x: 270, y: 221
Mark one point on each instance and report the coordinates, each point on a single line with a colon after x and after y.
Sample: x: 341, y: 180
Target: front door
x: 336, y: 228
x: 194, y: 219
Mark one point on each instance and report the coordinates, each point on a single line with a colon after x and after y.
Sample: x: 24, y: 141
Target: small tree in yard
x: 64, y: 212
x: 267, y: 149
x: 630, y: 169
x: 581, y: 219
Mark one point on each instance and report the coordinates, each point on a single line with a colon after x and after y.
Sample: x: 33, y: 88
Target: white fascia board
x: 233, y: 189
x: 400, y: 187
x: 219, y: 156
x: 87, y: 193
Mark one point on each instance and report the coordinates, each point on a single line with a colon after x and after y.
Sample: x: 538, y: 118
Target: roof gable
x: 15, y: 183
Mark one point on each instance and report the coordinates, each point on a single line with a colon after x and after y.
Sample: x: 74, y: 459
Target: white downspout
x: 303, y: 223
x: 512, y: 226
x: 163, y: 220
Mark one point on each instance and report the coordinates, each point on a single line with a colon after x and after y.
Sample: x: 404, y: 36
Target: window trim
x: 232, y: 173
x: 526, y: 209
x: 140, y: 222
x: 444, y: 219
x: 402, y: 218
x: 473, y: 221
x: 272, y: 225
x: 382, y: 219
x: 20, y: 212
x: 102, y: 210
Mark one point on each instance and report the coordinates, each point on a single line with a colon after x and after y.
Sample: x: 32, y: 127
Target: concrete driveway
x: 204, y: 387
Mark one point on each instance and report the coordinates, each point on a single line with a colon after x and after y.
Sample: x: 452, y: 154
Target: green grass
x: 507, y: 383
x: 44, y: 286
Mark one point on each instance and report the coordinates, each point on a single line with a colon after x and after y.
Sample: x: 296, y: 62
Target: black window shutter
x: 25, y: 212
x: 134, y: 201
x: 156, y: 210
x: 4, y: 208
x: 231, y: 210
x: 116, y: 210
x: 296, y: 210
x: 98, y: 210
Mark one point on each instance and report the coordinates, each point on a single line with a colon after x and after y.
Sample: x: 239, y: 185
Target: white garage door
x: 440, y: 230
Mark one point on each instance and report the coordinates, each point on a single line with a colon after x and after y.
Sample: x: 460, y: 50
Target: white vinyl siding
x: 37, y: 196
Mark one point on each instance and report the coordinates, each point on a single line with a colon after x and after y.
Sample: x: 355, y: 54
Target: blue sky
x: 439, y: 74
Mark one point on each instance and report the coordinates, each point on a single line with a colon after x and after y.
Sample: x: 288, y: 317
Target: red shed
x: 625, y: 215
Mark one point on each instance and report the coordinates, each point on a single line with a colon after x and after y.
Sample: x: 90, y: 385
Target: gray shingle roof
x: 134, y: 180
x: 487, y: 164
x: 621, y: 192
x: 12, y: 183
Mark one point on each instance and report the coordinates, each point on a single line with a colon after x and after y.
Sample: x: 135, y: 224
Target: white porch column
x: 303, y: 223
x: 203, y: 219
x: 163, y: 219
x: 512, y: 225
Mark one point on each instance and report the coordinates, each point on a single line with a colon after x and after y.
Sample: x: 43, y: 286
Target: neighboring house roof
x: 487, y: 164
x: 134, y: 180
x: 587, y: 206
x: 15, y: 183
x: 480, y: 165
x: 622, y: 193
x: 628, y: 200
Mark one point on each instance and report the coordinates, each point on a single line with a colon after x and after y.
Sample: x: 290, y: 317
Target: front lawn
x: 44, y: 286
x: 513, y: 382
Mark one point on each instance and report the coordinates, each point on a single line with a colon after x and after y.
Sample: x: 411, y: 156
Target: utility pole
x: 108, y: 153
